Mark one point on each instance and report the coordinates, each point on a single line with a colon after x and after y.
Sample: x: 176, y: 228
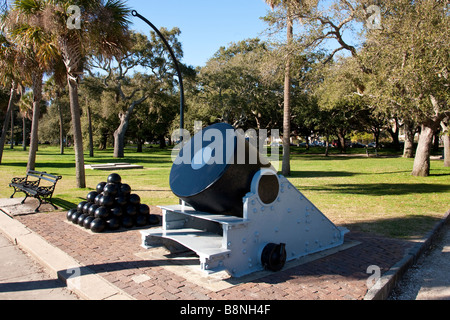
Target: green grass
x: 376, y: 195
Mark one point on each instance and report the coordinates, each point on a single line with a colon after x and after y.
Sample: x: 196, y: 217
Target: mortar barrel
x: 214, y: 170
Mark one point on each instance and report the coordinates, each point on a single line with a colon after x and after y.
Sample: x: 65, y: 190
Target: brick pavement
x: 115, y: 257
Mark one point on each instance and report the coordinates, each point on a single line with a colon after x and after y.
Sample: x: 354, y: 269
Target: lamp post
x: 134, y: 13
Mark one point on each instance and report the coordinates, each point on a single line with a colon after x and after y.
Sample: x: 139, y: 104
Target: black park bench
x: 39, y: 185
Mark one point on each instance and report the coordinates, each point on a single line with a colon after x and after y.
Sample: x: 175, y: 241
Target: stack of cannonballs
x: 111, y: 207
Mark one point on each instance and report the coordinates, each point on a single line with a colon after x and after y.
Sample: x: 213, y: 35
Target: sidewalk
x: 29, y: 281
x: 115, y: 266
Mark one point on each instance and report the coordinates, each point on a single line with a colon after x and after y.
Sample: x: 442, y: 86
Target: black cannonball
x: 98, y: 199
x: 114, y: 178
x: 92, y: 209
x: 81, y: 219
x: 111, y: 189
x: 70, y: 213
x: 125, y: 189
x: 154, y: 220
x: 144, y: 209
x: 141, y: 220
x: 113, y: 224
x: 87, y: 222
x: 91, y: 196
x: 86, y: 208
x: 126, y: 222
x: 131, y: 210
x: 117, y: 211
x: 98, y: 225
x: 107, y: 201
x: 102, y: 213
x: 122, y: 200
x: 134, y: 199
x: 75, y: 217
x: 100, y: 187
x: 80, y: 206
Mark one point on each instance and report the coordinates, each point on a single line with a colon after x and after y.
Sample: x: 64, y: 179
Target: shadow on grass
x: 322, y: 174
x: 63, y: 204
x: 411, y: 227
x: 383, y: 189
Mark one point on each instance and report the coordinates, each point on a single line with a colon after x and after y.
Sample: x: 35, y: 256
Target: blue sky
x: 205, y: 25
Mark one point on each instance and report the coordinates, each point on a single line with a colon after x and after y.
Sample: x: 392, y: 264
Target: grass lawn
x: 376, y: 195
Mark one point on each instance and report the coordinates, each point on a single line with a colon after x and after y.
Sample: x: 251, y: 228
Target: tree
x: 10, y: 61
x: 25, y: 109
x: 286, y: 5
x: 54, y: 91
x: 445, y: 124
x: 22, y: 25
x: 235, y: 86
x: 411, y: 55
x: 103, y: 32
x: 131, y: 90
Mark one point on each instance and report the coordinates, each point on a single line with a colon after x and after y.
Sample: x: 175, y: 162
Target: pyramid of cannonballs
x: 111, y: 207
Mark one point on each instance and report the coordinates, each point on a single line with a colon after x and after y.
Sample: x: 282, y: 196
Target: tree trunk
x: 34, y: 140
x: 446, y: 137
x: 422, y: 159
x: 12, y: 127
x: 140, y: 145
x: 91, y: 136
x: 394, y: 132
x: 24, y: 133
x: 410, y: 132
x: 162, y: 142
x: 436, y: 141
x: 7, y: 119
x: 61, y: 131
x: 341, y: 137
x: 77, y: 133
x: 119, y: 136
x: 286, y: 166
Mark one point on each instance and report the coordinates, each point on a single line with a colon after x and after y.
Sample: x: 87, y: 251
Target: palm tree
x: 287, y: 5
x: 54, y: 88
x: 11, y: 60
x: 25, y: 107
x: 103, y: 32
x: 22, y: 25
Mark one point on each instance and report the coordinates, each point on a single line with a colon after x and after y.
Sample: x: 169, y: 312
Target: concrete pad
x: 58, y: 264
x: 186, y: 265
x: 14, y: 207
x: 12, y: 228
x: 112, y: 166
x: 21, y: 278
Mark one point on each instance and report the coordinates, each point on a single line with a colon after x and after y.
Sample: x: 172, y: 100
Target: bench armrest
x: 18, y: 180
